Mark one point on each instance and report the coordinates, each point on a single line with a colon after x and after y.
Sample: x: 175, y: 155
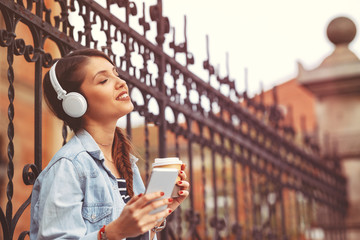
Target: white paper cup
x: 170, y: 162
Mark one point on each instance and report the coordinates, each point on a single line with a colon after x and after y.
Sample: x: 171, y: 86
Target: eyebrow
x: 102, y: 72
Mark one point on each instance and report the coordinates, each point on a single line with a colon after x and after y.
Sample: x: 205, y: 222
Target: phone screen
x: 163, y: 180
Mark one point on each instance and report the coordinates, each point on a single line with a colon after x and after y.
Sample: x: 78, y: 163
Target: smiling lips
x: 124, y: 96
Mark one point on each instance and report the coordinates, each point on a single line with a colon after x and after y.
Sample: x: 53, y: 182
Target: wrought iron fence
x: 249, y: 179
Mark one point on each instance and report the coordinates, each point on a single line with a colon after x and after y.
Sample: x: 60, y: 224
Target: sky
x: 265, y: 37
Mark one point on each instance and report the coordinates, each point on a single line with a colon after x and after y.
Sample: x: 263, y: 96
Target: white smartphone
x: 163, y: 180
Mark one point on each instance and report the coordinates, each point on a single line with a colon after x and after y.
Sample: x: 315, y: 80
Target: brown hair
x: 121, y: 154
x: 70, y: 74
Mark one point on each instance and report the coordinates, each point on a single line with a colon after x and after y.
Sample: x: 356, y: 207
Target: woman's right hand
x: 135, y: 218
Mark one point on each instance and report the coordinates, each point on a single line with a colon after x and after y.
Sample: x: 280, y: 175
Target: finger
x: 156, y: 219
x: 135, y: 198
x: 182, y: 175
x: 183, y: 166
x: 159, y: 217
x: 146, y: 198
x: 156, y: 204
x: 183, y: 193
x: 183, y: 184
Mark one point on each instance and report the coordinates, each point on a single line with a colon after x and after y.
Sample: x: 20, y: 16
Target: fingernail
x: 140, y: 195
x: 170, y: 199
x: 181, y: 172
x: 180, y: 182
x: 181, y: 192
x: 162, y: 193
x: 170, y: 210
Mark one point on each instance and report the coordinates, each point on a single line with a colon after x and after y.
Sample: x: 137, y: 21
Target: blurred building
x: 323, y: 106
x: 336, y: 86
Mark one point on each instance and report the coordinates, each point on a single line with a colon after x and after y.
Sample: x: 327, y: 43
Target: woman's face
x: 106, y: 94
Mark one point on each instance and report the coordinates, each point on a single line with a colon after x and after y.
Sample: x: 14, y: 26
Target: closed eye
x: 103, y: 82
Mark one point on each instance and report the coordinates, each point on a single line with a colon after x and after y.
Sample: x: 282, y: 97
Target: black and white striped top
x: 122, y: 189
x: 126, y: 197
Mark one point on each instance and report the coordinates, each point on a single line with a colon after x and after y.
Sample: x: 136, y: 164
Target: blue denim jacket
x: 75, y: 195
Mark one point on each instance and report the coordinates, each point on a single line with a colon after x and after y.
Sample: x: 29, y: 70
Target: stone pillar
x: 336, y: 87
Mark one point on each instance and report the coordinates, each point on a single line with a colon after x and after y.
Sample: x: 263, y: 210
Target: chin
x: 124, y: 112
x: 131, y: 107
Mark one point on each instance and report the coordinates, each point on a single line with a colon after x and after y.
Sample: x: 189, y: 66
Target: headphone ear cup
x: 74, y: 104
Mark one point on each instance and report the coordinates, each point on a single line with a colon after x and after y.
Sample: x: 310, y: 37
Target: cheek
x: 98, y: 102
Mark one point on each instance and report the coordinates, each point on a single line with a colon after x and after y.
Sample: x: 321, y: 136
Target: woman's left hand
x: 183, y: 192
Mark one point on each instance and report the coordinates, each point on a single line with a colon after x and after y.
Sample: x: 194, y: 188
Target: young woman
x: 92, y: 188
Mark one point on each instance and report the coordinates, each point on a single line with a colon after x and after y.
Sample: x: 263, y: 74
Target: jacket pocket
x: 96, y: 213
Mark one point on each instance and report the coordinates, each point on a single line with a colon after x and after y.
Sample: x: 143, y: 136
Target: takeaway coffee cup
x: 170, y: 162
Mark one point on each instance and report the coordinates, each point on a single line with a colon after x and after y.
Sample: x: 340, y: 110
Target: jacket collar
x: 93, y: 148
x: 89, y: 144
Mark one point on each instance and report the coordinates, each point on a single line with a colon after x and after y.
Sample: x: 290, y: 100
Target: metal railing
x: 249, y: 180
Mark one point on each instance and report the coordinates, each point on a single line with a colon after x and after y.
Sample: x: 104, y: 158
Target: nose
x: 120, y: 83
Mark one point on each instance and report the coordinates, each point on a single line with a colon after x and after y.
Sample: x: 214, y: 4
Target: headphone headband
x: 55, y: 83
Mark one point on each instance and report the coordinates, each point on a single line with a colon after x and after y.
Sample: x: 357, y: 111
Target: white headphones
x: 73, y: 103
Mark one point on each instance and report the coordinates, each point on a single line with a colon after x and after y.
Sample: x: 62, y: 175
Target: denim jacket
x: 76, y: 194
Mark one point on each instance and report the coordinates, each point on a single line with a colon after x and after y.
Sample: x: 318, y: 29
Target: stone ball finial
x: 341, y: 30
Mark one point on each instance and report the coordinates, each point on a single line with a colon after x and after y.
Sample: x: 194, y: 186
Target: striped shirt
x: 122, y: 189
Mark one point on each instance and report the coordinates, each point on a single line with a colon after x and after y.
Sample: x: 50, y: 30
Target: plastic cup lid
x: 166, y: 161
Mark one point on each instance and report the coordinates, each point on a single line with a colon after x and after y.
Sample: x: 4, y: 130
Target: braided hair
x: 121, y: 154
